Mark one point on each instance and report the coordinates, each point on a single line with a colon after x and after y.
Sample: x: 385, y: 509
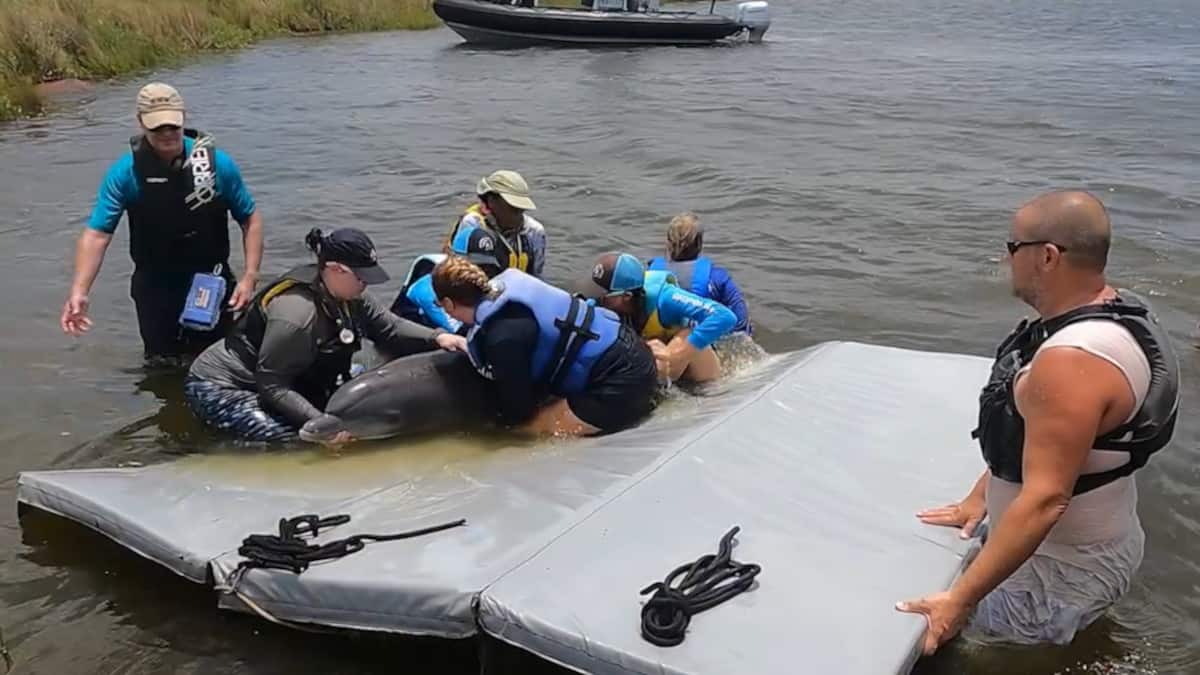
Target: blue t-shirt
x: 708, y: 319
x: 119, y: 190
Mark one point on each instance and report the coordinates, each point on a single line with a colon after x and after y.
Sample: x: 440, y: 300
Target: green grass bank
x: 49, y: 40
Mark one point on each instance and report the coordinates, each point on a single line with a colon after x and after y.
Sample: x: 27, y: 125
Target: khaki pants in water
x: 1059, y: 591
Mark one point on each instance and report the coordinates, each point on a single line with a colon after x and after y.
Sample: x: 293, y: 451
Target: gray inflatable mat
x: 821, y: 456
x: 822, y: 467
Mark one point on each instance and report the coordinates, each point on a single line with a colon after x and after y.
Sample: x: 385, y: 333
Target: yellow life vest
x: 652, y: 286
x: 517, y: 257
x: 283, y: 285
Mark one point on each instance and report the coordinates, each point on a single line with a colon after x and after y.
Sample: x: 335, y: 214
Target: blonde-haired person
x: 698, y: 273
x: 534, y: 341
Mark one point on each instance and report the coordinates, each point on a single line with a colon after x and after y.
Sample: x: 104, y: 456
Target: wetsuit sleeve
x: 728, y: 294
x: 117, y: 191
x: 287, y: 350
x: 233, y: 188
x: 708, y: 319
x: 508, y: 343
x: 395, y: 335
x: 423, y: 296
x: 439, y: 316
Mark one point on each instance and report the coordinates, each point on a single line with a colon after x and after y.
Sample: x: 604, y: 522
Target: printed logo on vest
x: 204, y: 188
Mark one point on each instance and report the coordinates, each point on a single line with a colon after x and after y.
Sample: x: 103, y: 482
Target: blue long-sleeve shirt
x: 719, y: 285
x: 723, y: 289
x: 708, y: 319
x: 119, y: 190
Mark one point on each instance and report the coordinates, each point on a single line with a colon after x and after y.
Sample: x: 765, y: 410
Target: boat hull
x: 490, y: 24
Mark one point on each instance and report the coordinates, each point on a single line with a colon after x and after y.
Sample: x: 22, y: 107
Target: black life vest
x: 180, y: 222
x: 1001, y: 430
x: 332, y: 365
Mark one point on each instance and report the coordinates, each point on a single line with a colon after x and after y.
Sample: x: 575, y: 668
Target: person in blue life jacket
x: 535, y: 342
x: 416, y: 300
x: 696, y: 272
x: 179, y: 192
x: 502, y: 211
x: 679, y: 326
x: 293, y: 346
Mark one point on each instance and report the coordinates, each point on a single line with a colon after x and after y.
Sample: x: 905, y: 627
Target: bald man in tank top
x: 1077, y: 401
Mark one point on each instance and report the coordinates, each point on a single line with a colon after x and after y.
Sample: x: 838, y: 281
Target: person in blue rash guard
x: 556, y: 363
x: 679, y: 326
x: 698, y: 273
x: 179, y: 192
x: 417, y: 301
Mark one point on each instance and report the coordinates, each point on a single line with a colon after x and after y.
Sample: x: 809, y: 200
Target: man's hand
x: 662, y: 358
x: 243, y: 293
x: 944, y: 614
x: 74, y: 320
x: 966, y: 514
x: 451, y: 342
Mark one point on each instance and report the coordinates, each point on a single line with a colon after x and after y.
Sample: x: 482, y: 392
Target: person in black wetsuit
x: 292, y: 348
x: 537, y: 342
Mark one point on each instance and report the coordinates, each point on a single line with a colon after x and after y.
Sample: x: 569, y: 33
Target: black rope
x: 707, y: 582
x: 288, y: 550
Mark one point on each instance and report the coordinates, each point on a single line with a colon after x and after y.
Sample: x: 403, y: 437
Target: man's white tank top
x: 1108, y: 512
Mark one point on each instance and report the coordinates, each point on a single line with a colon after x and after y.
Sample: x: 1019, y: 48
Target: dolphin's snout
x: 321, y: 429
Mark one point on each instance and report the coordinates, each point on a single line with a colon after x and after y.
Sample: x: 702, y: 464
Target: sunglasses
x: 1014, y: 246
x: 165, y: 129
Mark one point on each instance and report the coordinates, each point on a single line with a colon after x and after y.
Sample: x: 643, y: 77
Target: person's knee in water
x: 696, y: 272
x: 503, y: 211
x: 679, y: 325
x: 417, y: 301
x: 535, y: 341
x: 179, y: 192
x: 294, y: 344
x: 1077, y: 401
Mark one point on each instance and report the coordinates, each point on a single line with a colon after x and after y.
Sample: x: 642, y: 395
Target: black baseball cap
x: 354, y: 249
x: 480, y: 248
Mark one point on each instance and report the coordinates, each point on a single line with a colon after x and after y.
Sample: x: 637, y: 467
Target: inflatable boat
x: 820, y: 456
x: 608, y: 22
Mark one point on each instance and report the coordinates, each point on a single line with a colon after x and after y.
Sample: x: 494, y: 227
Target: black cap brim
x: 371, y: 275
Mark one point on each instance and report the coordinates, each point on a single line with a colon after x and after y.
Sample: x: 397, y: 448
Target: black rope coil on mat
x: 288, y: 550
x: 707, y: 582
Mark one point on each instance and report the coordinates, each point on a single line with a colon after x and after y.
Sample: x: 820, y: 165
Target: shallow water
x: 856, y: 173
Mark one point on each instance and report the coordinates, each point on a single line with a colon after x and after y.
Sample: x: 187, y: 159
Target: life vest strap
x: 571, y: 339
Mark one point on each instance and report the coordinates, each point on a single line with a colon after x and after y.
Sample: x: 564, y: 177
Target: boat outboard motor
x: 755, y: 17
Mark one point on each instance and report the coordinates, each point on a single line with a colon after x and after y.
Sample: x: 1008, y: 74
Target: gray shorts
x: 1058, y: 592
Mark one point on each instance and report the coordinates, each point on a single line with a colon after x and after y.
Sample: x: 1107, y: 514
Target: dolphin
x: 421, y: 393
